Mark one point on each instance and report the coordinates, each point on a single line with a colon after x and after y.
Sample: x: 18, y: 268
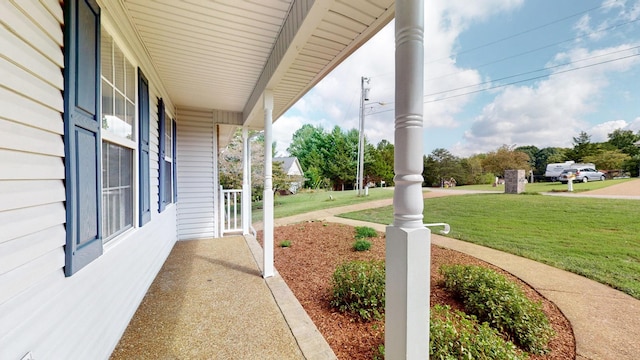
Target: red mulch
x: 318, y: 247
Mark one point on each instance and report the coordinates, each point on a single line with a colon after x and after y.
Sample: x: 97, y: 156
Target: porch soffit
x: 222, y: 54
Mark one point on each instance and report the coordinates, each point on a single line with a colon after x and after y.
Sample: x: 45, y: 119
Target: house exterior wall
x: 197, y: 171
x: 196, y: 186
x: 42, y: 311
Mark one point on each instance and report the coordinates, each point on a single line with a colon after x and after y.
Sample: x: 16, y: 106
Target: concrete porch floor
x: 209, y: 301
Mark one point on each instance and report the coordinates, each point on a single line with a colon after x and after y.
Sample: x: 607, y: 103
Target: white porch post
x: 267, y: 200
x: 408, y: 241
x: 246, y: 188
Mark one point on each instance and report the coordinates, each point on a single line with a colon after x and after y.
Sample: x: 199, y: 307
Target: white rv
x: 553, y: 170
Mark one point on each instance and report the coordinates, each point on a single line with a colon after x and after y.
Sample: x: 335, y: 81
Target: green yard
x: 312, y: 200
x: 596, y: 238
x: 548, y: 186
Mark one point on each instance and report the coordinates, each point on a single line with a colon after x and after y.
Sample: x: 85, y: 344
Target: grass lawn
x: 548, y: 186
x: 312, y: 200
x: 596, y: 238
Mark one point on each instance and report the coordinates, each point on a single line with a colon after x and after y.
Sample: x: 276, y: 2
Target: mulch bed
x: 318, y: 247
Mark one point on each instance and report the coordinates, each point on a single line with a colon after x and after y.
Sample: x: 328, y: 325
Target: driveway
x: 626, y: 190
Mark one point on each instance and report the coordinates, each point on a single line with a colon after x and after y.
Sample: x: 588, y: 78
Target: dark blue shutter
x: 143, y: 118
x: 162, y: 202
x: 82, y: 133
x: 175, y: 161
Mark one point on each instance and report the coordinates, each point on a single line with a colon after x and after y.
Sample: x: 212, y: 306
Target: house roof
x: 288, y: 162
x: 222, y: 55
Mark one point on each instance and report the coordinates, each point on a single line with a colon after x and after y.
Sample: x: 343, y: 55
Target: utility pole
x: 364, y: 96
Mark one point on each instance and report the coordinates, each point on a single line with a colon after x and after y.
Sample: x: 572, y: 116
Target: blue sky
x: 527, y: 72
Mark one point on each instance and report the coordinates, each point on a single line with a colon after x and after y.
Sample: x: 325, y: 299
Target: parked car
x: 583, y: 174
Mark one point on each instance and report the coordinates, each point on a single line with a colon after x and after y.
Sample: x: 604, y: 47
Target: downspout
x: 217, y: 231
x: 250, y: 187
x: 246, y: 189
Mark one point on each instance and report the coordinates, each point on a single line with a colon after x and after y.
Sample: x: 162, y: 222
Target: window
x: 118, y: 138
x: 168, y: 159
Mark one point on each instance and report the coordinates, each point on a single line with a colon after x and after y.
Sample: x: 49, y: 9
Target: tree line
x: 329, y: 160
x: 618, y: 155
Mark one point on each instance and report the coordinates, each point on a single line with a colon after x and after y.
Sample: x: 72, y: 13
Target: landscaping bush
x: 493, y: 298
x: 365, y: 232
x: 358, y: 288
x: 456, y: 335
x: 361, y: 245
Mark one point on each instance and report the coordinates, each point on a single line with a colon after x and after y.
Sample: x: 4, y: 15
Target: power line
x: 535, y: 71
x: 534, y: 78
x: 535, y: 28
x: 517, y: 82
x: 538, y: 48
x: 519, y: 34
x: 532, y: 72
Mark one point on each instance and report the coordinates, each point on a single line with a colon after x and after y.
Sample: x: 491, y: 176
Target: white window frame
x: 131, y: 144
x: 168, y: 153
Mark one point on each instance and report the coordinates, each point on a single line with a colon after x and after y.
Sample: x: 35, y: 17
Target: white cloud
x: 600, y: 132
x: 551, y: 111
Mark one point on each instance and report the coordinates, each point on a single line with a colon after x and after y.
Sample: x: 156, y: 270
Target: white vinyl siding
x: 42, y: 311
x: 32, y: 213
x: 196, y: 211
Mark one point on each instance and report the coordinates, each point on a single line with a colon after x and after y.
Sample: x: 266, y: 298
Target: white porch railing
x: 231, y: 210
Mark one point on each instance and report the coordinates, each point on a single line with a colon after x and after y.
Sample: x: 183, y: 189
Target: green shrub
x: 285, y: 243
x: 361, y: 245
x: 358, y: 288
x: 494, y: 299
x: 456, y: 335
x: 365, y: 232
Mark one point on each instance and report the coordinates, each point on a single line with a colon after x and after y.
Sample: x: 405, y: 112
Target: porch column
x: 246, y: 188
x: 267, y: 200
x: 408, y: 241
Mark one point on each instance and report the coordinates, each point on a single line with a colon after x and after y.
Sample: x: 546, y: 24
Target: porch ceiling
x: 221, y: 55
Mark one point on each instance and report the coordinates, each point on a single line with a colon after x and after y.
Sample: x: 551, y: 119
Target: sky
x: 497, y: 72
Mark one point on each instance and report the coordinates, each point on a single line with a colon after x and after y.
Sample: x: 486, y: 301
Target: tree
x: 505, y: 158
x: 230, y: 165
x: 340, y: 164
x: 381, y: 166
x: 608, y: 159
x: 308, y: 145
x: 442, y: 166
x: 475, y: 171
x: 549, y: 155
x: 582, y: 147
x: 625, y: 140
x: 533, y: 152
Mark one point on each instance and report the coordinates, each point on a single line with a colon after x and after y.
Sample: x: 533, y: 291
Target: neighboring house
x: 291, y: 167
x: 112, y: 114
